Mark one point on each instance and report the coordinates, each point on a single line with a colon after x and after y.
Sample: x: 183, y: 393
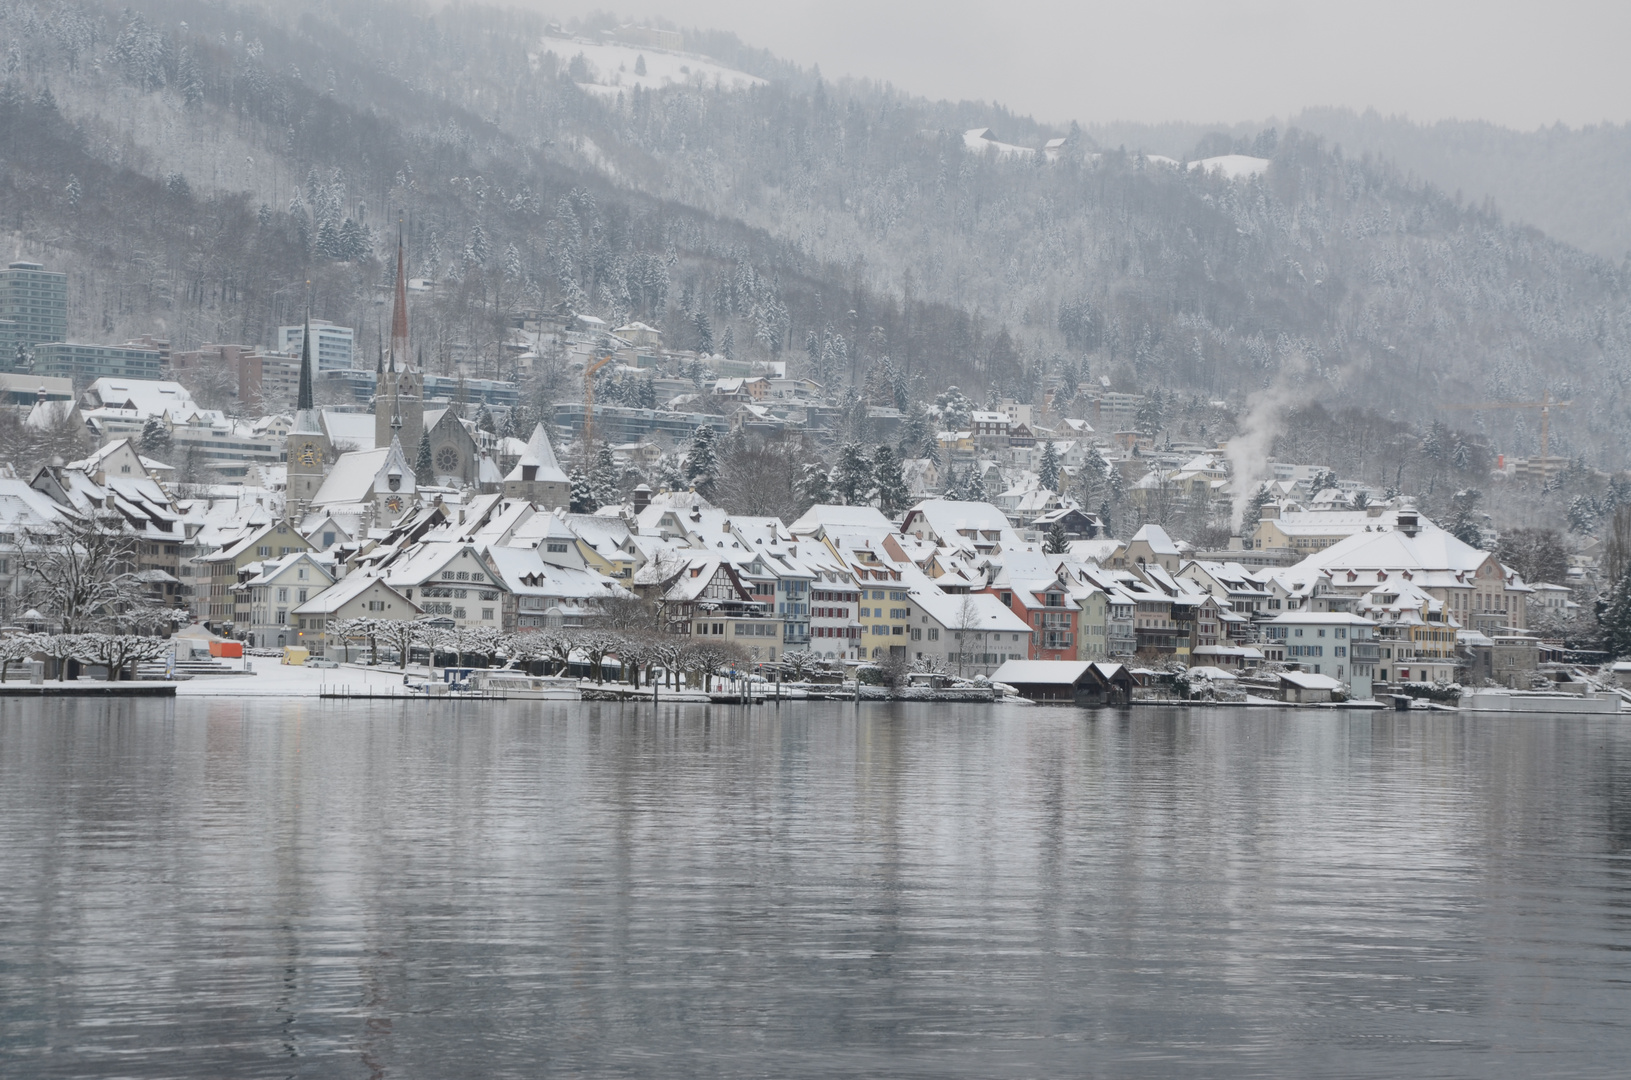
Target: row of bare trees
x: 642, y: 654
x: 119, y: 653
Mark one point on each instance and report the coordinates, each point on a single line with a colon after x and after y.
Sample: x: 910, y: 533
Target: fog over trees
x: 193, y: 166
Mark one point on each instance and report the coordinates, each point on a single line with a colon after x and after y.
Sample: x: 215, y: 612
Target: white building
x: 1334, y: 643
x: 335, y: 345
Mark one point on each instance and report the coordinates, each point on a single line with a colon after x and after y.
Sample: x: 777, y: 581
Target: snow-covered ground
x: 980, y: 142
x: 1233, y: 166
x: 612, y: 67
x: 272, y: 679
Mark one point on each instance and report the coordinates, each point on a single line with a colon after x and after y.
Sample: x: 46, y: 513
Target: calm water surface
x: 328, y: 889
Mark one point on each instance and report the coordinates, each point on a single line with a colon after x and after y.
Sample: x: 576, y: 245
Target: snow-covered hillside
x: 1233, y: 166
x: 611, y: 67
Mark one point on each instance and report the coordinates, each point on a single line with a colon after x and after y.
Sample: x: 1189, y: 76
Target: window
x: 877, y: 594
x: 555, y: 546
x: 263, y: 549
x: 376, y: 605
x: 300, y: 574
x: 487, y: 614
x: 282, y: 616
x: 458, y: 613
x: 283, y: 596
x: 328, y: 539
x: 866, y: 613
x: 300, y: 596
x: 934, y: 633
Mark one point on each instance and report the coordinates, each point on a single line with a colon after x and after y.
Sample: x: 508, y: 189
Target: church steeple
x: 399, y: 407
x: 303, y: 397
x: 399, y: 310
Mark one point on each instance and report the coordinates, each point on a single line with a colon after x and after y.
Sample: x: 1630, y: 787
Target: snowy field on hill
x: 1233, y: 166
x: 612, y: 67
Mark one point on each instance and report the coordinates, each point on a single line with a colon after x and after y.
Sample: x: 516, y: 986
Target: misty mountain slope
x: 848, y: 217
x: 1571, y: 183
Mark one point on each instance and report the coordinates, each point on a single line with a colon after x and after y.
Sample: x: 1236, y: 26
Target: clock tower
x: 308, y: 446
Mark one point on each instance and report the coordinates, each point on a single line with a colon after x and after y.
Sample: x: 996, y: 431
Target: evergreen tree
x: 424, y: 472
x: 1104, y: 520
x: 640, y: 64
x: 328, y: 241
x: 887, y: 480
x: 852, y: 480
x: 813, y: 486
x: 603, y: 478
x: 484, y: 420
x: 1056, y: 543
x: 727, y: 343
x: 1049, y: 471
x: 953, y: 488
x: 916, y: 436
x: 646, y: 393
x: 583, y: 495
x: 1254, y: 509
x: 355, y: 243
x: 1615, y: 618
x: 156, y: 442
x: 975, y: 491
x: 1464, y: 524
x: 702, y: 463
x: 670, y: 477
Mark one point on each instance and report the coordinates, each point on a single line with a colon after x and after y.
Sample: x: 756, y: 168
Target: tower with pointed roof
x: 399, y: 390
x: 309, y: 450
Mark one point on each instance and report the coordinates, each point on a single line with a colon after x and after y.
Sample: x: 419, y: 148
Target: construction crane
x: 1545, y: 405
x: 589, y: 370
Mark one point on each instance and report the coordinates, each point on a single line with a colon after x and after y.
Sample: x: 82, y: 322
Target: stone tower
x: 308, y: 446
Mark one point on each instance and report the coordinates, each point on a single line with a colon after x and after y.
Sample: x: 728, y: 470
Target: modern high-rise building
x: 33, y: 308
x: 87, y: 363
x: 333, y: 346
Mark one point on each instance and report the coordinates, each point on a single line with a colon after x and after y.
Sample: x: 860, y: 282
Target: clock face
x: 308, y: 454
x: 394, y: 504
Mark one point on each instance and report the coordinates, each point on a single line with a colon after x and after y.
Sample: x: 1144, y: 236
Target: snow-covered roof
x: 145, y: 396
x: 985, y: 614
x: 1307, y: 680
x: 525, y: 573
x: 347, y: 589
x: 1157, y: 539
x: 355, y: 430
x: 1046, y: 672
x: 827, y: 515
x: 538, y: 462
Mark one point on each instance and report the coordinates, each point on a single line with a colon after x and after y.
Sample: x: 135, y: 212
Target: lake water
x: 326, y: 889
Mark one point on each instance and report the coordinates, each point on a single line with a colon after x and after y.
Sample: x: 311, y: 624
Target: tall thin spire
x: 303, y: 400
x: 399, y: 313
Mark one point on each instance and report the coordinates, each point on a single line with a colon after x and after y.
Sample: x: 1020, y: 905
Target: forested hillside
x: 194, y: 165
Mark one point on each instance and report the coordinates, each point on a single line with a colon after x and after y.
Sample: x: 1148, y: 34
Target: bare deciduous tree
x: 83, y: 573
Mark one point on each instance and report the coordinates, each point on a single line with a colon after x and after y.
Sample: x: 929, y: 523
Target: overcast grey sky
x: 1518, y: 64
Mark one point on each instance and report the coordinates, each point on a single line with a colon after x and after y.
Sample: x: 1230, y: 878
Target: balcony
x: 1364, y: 652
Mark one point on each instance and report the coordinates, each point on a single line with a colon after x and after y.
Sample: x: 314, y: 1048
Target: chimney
x: 642, y: 497
x: 1268, y: 512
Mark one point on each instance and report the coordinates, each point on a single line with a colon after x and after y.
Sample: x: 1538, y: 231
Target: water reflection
x: 216, y: 888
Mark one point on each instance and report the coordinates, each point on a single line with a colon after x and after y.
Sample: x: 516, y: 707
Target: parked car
x: 321, y: 661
